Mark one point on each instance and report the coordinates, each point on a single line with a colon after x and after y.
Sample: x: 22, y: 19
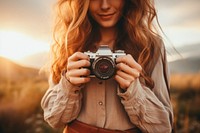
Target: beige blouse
x: 102, y: 104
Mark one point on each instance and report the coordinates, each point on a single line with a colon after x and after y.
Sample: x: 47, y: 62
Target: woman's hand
x: 127, y: 71
x: 77, y: 73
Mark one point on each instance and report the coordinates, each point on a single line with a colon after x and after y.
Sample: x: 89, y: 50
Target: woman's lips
x: 106, y: 16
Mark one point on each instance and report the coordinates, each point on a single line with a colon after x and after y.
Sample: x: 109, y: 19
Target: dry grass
x: 20, y: 109
x: 185, y: 95
x: 185, y: 81
x: 21, y: 90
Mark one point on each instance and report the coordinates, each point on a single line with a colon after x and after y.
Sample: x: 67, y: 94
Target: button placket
x: 101, y: 102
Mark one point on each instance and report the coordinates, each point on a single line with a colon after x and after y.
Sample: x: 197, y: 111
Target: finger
x: 78, y: 72
x: 78, y: 56
x: 79, y: 80
x: 129, y: 60
x: 125, y: 76
x: 124, y: 84
x: 128, y: 70
x: 78, y: 64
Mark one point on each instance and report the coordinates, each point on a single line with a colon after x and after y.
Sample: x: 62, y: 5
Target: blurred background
x: 25, y: 38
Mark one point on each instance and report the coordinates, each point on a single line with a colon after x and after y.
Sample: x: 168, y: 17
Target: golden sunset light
x: 15, y: 45
x: 29, y: 67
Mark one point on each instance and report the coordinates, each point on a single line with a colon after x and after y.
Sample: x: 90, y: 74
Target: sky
x: 26, y: 25
x: 180, y: 20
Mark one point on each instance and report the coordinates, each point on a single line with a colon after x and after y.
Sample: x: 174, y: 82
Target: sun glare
x: 16, y: 46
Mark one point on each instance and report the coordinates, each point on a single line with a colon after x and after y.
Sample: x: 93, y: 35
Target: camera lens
x: 103, y: 67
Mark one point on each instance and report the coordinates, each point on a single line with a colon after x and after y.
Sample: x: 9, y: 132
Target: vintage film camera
x: 103, y: 62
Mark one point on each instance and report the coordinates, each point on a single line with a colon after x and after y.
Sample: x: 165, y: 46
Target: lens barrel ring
x: 103, y: 67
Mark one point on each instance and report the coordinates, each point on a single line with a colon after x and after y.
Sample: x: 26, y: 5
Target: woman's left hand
x: 127, y: 71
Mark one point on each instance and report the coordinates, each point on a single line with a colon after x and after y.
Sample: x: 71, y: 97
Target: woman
x: 136, y: 98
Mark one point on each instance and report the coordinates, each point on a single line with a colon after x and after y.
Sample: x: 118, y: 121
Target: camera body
x: 103, y: 62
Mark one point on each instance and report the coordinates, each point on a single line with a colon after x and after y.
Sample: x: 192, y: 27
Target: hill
x: 21, y: 91
x: 185, y: 65
x: 188, y: 61
x: 10, y: 71
x: 36, y: 60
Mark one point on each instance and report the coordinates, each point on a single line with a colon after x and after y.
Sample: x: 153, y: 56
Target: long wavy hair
x: 76, y: 31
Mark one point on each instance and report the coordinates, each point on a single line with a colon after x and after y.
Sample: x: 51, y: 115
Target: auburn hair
x: 76, y: 31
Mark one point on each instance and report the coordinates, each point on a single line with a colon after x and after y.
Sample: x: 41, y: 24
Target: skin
x: 77, y: 74
x: 106, y: 13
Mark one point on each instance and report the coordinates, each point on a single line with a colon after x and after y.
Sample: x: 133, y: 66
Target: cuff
x: 134, y: 91
x: 69, y: 87
x: 134, y: 100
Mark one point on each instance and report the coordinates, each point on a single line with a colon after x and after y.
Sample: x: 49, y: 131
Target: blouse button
x: 100, y: 103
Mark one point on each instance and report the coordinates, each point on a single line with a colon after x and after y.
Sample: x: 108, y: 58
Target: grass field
x: 185, y: 96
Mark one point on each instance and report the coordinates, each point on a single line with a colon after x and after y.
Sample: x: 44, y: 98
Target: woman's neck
x: 108, y: 36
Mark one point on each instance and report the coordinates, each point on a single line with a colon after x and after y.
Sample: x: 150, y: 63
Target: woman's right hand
x: 77, y: 73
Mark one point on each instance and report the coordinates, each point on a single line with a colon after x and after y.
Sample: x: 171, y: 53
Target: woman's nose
x: 105, y: 4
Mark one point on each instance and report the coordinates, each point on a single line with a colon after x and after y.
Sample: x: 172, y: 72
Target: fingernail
x: 140, y: 68
x: 138, y: 74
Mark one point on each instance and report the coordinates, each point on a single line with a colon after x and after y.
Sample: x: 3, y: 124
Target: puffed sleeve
x: 150, y: 110
x: 61, y: 103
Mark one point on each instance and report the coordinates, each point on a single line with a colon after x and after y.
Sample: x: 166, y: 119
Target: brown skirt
x: 80, y: 127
